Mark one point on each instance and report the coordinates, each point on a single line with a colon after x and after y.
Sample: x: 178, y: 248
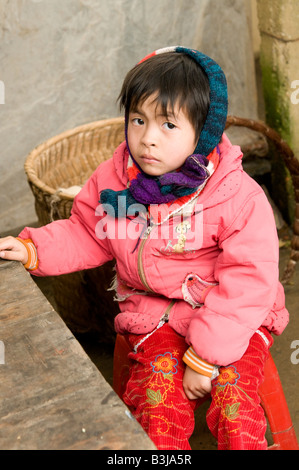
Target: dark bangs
x: 176, y: 79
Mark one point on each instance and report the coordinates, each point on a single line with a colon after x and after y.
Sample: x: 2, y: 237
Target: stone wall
x: 62, y: 64
x: 279, y: 30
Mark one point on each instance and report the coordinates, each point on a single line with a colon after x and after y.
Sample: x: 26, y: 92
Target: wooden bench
x: 52, y: 396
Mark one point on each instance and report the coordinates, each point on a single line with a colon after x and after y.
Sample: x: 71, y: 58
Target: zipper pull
x: 148, y: 231
x: 144, y: 234
x: 165, y: 318
x: 149, y: 228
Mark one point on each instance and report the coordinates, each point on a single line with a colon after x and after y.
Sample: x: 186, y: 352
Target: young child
x: 196, y: 253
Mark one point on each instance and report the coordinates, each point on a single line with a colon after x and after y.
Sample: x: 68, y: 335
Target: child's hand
x: 196, y: 385
x: 13, y: 250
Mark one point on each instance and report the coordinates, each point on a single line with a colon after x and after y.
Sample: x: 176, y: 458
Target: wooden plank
x: 19, y: 296
x: 51, y: 394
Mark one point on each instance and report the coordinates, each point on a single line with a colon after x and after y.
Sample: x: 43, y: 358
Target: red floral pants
x: 156, y: 397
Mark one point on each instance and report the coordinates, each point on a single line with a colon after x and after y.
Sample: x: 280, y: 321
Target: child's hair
x: 176, y: 79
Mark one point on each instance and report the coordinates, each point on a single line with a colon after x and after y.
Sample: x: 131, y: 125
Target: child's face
x: 159, y: 144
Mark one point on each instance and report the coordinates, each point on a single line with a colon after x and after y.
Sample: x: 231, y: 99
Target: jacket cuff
x: 199, y: 365
x: 32, y: 262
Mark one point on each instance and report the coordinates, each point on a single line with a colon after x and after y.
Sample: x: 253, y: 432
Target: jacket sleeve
x: 69, y: 245
x: 247, y: 274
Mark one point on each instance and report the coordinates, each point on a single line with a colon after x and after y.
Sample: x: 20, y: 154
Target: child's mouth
x: 149, y: 159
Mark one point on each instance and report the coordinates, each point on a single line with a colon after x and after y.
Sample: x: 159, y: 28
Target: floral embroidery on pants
x: 165, y: 363
x: 156, y: 397
x: 235, y: 416
x: 154, y: 391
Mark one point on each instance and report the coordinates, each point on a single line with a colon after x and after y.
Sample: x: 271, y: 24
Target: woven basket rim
x: 31, y: 174
x: 232, y: 120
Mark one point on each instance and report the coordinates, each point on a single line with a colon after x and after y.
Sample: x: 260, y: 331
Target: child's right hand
x: 13, y: 250
x: 196, y: 385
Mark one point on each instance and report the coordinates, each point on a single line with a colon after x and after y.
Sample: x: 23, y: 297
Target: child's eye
x: 169, y: 125
x: 138, y: 121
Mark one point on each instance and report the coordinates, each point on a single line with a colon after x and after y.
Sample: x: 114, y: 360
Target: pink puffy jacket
x: 211, y: 272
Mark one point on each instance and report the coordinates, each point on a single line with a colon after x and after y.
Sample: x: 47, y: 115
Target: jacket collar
x: 226, y: 181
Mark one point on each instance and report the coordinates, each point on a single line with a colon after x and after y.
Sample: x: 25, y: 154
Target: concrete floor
x: 102, y: 356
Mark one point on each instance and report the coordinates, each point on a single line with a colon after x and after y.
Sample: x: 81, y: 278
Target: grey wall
x: 62, y: 64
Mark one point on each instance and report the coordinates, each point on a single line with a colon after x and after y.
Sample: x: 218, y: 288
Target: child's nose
x: 150, y: 135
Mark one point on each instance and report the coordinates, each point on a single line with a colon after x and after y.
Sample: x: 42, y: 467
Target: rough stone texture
x: 278, y: 23
x: 279, y: 18
x: 62, y: 65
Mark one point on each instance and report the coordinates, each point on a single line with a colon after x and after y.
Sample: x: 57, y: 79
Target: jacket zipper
x: 142, y: 276
x: 139, y: 260
x: 165, y: 317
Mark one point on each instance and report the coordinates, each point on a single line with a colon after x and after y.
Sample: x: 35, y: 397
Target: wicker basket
x: 69, y: 159
x: 63, y: 161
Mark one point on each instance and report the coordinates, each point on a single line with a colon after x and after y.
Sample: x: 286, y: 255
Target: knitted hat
x: 216, y: 119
